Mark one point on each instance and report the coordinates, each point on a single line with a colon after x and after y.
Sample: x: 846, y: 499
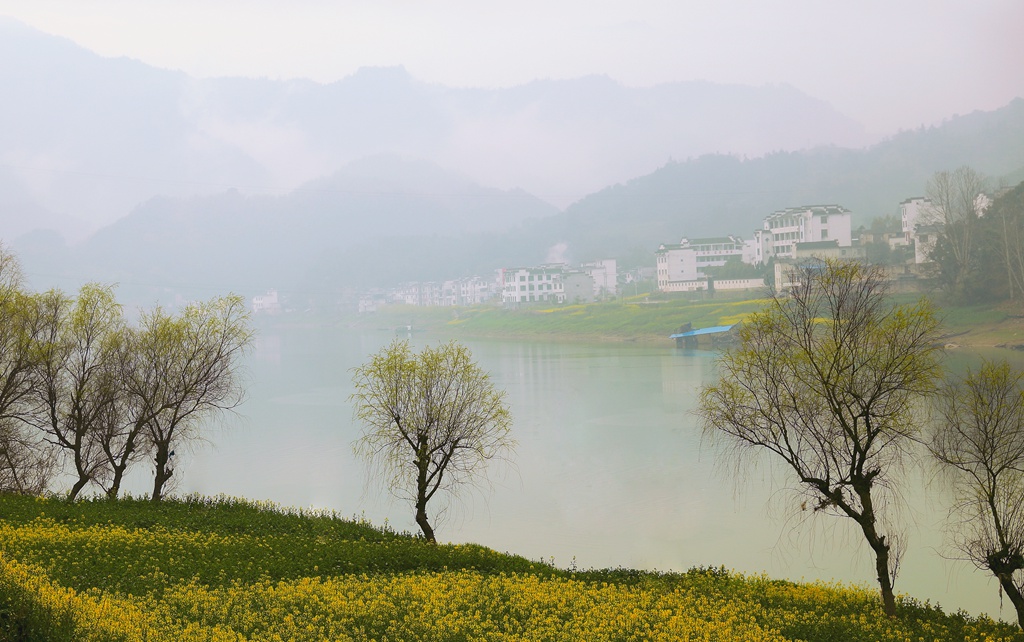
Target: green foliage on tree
x: 26, y: 465
x: 198, y: 356
x: 83, y: 391
x: 433, y: 421
x: 978, y: 440
x: 825, y: 380
x: 78, y: 384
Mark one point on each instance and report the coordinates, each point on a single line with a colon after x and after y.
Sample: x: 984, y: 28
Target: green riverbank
x: 643, y: 319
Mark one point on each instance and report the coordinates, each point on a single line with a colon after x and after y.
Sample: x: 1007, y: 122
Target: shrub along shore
x: 227, y: 569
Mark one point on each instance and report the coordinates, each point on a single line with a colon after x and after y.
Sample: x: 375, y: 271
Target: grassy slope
x: 232, y: 570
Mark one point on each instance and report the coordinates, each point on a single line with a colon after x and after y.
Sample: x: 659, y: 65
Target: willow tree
x: 26, y: 465
x: 191, y: 372
x: 432, y: 420
x: 824, y: 379
x: 979, y: 441
x: 77, y: 382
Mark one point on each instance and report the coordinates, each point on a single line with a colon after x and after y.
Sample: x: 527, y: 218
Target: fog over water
x: 609, y: 471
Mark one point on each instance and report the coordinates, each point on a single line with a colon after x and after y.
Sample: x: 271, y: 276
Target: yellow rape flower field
x: 227, y: 569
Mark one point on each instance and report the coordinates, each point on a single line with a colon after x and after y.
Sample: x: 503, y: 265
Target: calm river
x: 609, y: 468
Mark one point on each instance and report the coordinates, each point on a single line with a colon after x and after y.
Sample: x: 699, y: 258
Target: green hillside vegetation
x: 227, y: 569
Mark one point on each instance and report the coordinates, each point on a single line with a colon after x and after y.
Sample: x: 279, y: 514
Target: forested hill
x: 389, y: 220
x: 715, y: 195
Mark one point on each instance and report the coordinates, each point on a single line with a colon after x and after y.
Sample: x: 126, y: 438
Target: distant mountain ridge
x: 96, y: 136
x: 213, y: 172
x: 386, y: 219
x: 234, y: 241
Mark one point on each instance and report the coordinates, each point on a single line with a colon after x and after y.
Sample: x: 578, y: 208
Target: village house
x: 782, y: 230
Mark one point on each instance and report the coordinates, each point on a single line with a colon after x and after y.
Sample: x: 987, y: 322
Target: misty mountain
x: 717, y: 194
x: 712, y: 195
x: 93, y: 137
x: 233, y: 241
x: 384, y: 220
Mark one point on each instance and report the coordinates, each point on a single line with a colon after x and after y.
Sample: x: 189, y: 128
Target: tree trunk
x: 119, y: 467
x: 422, y: 464
x: 1012, y: 592
x: 884, y: 581
x: 115, y: 483
x: 878, y: 543
x: 421, y: 519
x: 77, y: 488
x: 83, y: 477
x: 163, y: 473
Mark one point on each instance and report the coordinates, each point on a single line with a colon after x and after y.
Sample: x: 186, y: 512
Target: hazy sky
x: 890, y: 64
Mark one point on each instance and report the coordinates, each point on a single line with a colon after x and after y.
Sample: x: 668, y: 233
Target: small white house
x: 266, y: 303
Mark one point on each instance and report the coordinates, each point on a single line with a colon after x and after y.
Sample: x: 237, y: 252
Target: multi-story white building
x: 922, y: 225
x: 467, y: 291
x: 474, y: 291
x: 605, y: 276
x: 783, y: 229
x: 553, y: 283
x: 918, y: 226
x: 912, y: 213
x: 532, y: 284
x: 681, y: 266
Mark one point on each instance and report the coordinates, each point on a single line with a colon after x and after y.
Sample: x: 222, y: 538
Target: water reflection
x: 609, y: 468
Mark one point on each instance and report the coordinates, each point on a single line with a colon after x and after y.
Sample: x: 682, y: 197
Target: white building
x: 605, y: 276
x: 783, y: 229
x: 830, y: 250
x: 922, y: 225
x: 466, y: 291
x: 554, y: 283
x: 912, y: 214
x: 918, y: 226
x: 532, y: 284
x: 577, y: 287
x: 681, y: 266
x: 266, y: 303
x: 474, y: 291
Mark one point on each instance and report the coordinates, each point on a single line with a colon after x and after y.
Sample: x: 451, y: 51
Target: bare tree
x: 121, y: 423
x: 26, y: 465
x: 195, y: 361
x: 1008, y: 215
x: 77, y: 375
x: 825, y: 380
x: 954, y: 203
x: 433, y: 421
x: 979, y: 442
